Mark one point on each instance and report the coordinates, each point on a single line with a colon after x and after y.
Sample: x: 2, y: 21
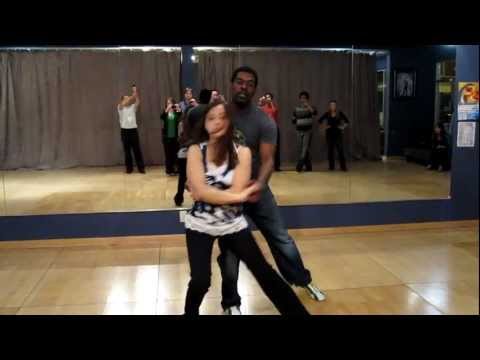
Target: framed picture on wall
x: 404, y: 83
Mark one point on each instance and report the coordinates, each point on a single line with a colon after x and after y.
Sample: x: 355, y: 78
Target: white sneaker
x: 233, y: 310
x: 315, y: 293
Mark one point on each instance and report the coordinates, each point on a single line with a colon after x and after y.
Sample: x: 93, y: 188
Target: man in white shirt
x: 127, y: 110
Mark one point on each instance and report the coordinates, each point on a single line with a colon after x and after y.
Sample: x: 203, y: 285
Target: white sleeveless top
x: 216, y: 220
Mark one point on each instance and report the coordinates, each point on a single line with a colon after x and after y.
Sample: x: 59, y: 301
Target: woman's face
x: 169, y: 102
x: 437, y: 130
x: 332, y: 106
x: 217, y: 122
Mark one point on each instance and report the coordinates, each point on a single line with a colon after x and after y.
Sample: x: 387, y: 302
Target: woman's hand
x: 253, y: 191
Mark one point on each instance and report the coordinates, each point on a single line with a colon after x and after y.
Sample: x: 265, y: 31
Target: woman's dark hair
x: 304, y: 93
x: 245, y: 69
x: 225, y: 149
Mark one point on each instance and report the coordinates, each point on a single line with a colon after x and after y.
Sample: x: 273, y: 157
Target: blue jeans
x: 266, y: 216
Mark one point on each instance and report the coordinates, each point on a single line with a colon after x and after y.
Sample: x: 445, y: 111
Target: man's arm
x: 267, y: 152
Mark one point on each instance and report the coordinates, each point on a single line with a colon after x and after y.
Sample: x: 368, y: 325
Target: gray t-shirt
x: 252, y: 127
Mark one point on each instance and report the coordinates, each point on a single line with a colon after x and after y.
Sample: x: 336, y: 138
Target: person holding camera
x: 271, y: 109
x: 127, y: 110
x: 171, y: 117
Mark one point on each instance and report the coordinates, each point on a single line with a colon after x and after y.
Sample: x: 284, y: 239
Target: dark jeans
x: 182, y: 179
x: 171, y: 150
x: 277, y: 152
x: 439, y: 157
x: 243, y: 245
x: 335, y: 141
x: 266, y: 216
x: 131, y: 141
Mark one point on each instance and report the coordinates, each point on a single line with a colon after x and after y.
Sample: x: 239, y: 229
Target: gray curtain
x: 326, y: 75
x: 58, y: 108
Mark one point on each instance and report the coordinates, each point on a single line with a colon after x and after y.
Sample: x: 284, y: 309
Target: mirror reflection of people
x: 219, y: 175
x: 439, y: 155
x: 127, y: 114
x: 258, y: 132
x: 215, y: 96
x: 261, y: 101
x: 171, y: 118
x: 189, y: 122
x: 271, y: 109
x: 187, y: 96
x: 336, y: 122
x: 303, y: 120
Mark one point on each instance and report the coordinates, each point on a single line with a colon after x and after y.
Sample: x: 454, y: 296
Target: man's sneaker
x: 315, y: 293
x: 233, y: 310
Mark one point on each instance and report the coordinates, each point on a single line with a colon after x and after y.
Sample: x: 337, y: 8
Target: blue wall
x: 412, y: 118
x: 462, y: 205
x: 465, y: 160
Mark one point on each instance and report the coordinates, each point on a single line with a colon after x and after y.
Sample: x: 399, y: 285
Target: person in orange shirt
x: 271, y: 109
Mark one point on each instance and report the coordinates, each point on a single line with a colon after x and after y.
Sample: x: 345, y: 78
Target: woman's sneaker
x: 315, y: 293
x: 233, y: 310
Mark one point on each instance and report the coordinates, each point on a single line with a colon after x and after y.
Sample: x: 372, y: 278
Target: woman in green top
x: 171, y: 117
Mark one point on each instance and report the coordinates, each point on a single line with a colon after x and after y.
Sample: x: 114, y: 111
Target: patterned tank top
x: 216, y: 220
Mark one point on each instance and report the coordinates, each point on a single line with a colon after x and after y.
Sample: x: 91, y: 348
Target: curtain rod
x: 104, y: 48
x: 219, y: 48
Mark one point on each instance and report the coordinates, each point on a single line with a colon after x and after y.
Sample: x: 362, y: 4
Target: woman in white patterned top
x: 218, y: 172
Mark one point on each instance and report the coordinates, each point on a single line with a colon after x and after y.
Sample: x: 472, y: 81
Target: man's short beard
x: 241, y: 103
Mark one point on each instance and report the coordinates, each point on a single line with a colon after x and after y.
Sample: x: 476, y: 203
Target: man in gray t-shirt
x: 258, y: 132
x: 252, y: 128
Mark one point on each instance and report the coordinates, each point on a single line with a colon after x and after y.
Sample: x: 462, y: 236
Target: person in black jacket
x: 336, y: 122
x: 439, y: 153
x: 190, y: 120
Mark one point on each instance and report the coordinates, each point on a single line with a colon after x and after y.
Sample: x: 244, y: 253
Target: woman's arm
x: 204, y: 192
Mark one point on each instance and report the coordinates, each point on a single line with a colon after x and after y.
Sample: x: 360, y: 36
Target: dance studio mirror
x: 61, y: 139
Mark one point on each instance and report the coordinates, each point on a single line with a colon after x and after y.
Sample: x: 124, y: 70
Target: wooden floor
x: 429, y: 268
x: 108, y: 189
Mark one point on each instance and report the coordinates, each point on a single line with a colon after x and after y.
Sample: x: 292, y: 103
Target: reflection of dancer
x: 439, y: 154
x: 303, y: 120
x: 336, y: 123
x: 219, y: 173
x: 258, y: 132
x: 127, y: 113
x: 171, y: 117
x: 187, y: 96
x: 189, y: 122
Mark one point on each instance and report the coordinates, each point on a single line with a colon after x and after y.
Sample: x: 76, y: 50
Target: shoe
x: 141, y: 171
x: 344, y: 169
x: 233, y: 310
x: 315, y: 293
x: 129, y: 171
